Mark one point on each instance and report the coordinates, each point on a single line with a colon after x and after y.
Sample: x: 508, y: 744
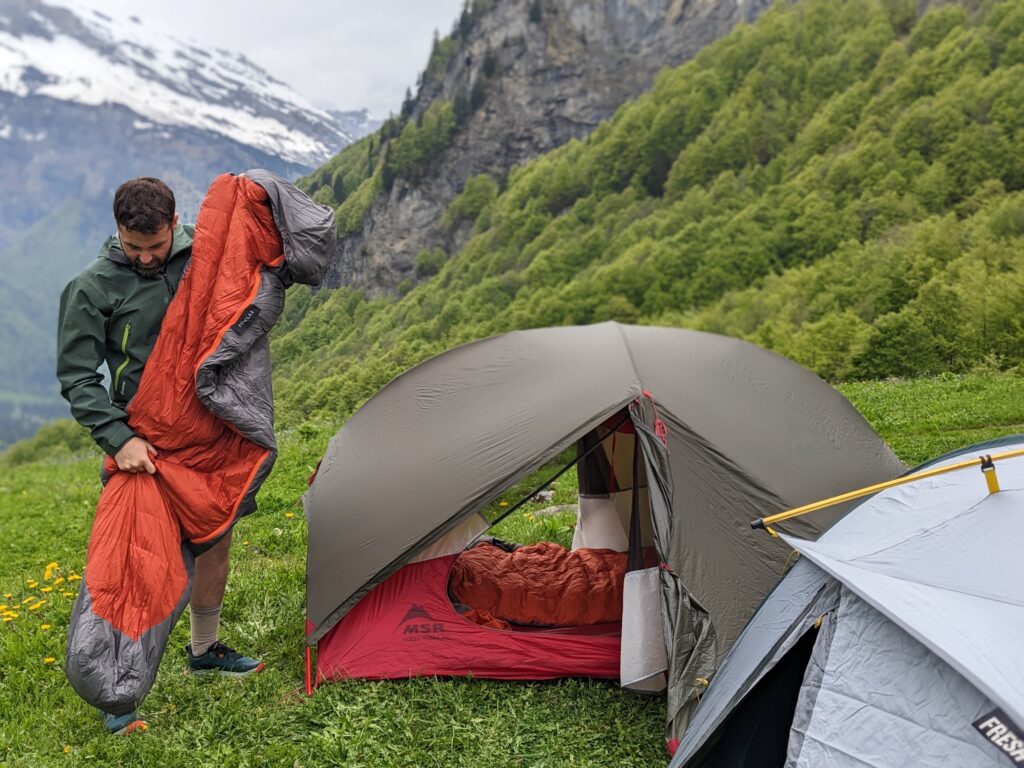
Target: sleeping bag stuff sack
x: 205, y: 402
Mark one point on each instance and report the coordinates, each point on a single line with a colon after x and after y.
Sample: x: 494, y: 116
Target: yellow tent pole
x: 985, y: 462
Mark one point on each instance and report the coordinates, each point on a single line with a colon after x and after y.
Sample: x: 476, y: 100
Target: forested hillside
x: 514, y: 79
x: 840, y: 182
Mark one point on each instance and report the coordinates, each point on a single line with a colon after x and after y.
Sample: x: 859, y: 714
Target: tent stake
x: 987, y: 467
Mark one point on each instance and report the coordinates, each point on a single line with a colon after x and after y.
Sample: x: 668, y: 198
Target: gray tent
x: 748, y: 432
x: 895, y: 640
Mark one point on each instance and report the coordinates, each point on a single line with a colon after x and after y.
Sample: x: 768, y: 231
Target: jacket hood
x: 182, y: 241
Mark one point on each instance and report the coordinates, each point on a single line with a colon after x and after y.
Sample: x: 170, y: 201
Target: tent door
x: 614, y: 498
x: 643, y: 659
x: 756, y: 734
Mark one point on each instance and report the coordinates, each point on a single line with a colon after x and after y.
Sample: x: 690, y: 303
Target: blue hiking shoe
x: 118, y: 725
x: 220, y: 658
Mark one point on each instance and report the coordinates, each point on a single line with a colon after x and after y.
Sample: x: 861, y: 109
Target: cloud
x: 347, y: 54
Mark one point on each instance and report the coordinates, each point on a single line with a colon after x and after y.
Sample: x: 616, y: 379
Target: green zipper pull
x: 124, y: 351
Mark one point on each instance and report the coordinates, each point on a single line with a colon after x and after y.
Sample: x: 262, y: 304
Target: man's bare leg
x: 208, y: 583
x: 206, y: 652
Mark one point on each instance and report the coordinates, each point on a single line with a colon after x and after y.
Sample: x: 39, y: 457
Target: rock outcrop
x: 543, y: 72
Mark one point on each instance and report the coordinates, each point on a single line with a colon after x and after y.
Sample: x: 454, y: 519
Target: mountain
x: 355, y: 123
x: 514, y: 80
x: 840, y: 182
x: 88, y: 100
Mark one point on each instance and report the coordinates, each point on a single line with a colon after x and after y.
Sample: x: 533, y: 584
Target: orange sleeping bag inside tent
x: 213, y: 452
x: 542, y: 584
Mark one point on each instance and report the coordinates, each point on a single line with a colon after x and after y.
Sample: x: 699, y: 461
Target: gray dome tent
x: 748, y: 433
x: 893, y: 641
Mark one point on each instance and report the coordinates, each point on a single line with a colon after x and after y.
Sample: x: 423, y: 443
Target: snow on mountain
x: 68, y: 51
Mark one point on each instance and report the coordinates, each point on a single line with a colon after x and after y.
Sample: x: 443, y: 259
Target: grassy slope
x: 46, y: 505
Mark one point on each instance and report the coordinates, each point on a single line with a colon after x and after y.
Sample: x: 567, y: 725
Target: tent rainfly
x: 893, y: 641
x: 723, y: 430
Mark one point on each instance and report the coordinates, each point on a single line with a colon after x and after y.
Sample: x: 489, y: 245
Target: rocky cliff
x: 534, y: 74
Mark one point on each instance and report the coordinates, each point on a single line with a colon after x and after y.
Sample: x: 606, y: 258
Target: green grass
x: 925, y: 418
x: 46, y: 505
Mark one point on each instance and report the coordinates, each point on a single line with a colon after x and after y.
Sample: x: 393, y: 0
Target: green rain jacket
x: 110, y: 313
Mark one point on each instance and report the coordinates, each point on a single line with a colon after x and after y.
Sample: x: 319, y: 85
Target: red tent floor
x: 407, y: 627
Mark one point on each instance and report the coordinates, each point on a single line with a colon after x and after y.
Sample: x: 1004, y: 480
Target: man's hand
x: 133, y: 456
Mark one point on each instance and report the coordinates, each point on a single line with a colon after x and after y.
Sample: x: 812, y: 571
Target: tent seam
x: 945, y: 523
x: 629, y: 353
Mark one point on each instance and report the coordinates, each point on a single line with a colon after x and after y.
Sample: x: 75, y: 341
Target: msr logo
x: 1002, y: 733
x: 419, y: 623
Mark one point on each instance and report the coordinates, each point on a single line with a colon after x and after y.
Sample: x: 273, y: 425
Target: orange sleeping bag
x: 205, y: 466
x: 204, y: 401
x: 541, y: 584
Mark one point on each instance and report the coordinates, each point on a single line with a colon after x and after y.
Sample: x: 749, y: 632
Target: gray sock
x: 204, y: 624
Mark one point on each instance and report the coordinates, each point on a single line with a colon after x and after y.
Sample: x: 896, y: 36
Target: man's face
x: 147, y: 253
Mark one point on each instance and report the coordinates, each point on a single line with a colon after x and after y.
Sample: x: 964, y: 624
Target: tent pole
x: 985, y: 462
x: 309, y: 671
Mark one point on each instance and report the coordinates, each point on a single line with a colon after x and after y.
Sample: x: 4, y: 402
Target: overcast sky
x: 347, y: 54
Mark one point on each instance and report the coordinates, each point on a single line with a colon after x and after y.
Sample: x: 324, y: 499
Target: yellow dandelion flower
x: 8, y: 618
x: 29, y: 599
x: 44, y: 626
x: 245, y: 543
x: 31, y: 583
x: 8, y: 595
x: 49, y: 660
x: 502, y: 503
x: 3, y: 607
x: 37, y: 606
x: 67, y: 748
x: 289, y: 515
x: 74, y: 577
x: 46, y: 589
x: 58, y: 580
x: 68, y: 594
x: 51, y: 566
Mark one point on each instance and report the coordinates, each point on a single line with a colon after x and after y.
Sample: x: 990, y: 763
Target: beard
x: 151, y: 271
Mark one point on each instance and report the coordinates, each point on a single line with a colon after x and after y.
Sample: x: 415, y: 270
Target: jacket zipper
x: 124, y: 351
x: 167, y: 282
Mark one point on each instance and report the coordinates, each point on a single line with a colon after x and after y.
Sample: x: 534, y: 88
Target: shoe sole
x: 226, y: 673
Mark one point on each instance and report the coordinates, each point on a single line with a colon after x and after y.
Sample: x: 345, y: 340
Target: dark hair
x: 144, y: 205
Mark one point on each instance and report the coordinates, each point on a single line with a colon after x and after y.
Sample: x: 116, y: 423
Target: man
x: 112, y: 312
